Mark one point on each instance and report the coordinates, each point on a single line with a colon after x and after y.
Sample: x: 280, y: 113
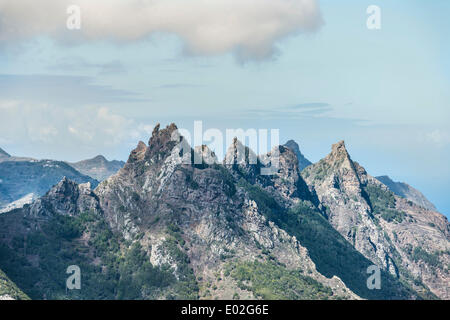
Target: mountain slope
x: 406, y: 191
x: 302, y: 161
x: 33, y: 178
x: 201, y: 213
x: 98, y: 168
x: 4, y: 154
x: 410, y: 242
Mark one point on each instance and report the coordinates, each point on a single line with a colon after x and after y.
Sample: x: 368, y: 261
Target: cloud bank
x: 45, y: 128
x: 248, y: 28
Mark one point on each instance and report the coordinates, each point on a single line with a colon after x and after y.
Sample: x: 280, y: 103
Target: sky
x: 311, y: 69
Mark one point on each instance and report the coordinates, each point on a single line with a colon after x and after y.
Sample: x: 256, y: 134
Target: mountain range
x: 98, y: 168
x: 163, y: 229
x: 404, y: 190
x: 24, y: 179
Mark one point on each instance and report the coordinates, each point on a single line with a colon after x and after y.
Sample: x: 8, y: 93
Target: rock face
x: 217, y: 221
x: 164, y: 227
x: 410, y: 242
x: 406, y: 191
x: 99, y: 168
x: 302, y: 161
x: 20, y: 178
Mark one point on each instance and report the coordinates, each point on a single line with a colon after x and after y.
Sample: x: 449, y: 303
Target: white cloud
x: 87, y: 128
x: 249, y: 28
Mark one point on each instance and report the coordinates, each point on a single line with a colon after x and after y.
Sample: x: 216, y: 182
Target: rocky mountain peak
x: 288, y: 159
x: 98, y: 167
x: 159, y: 133
x: 288, y: 180
x: 408, y: 192
x: 339, y: 151
x: 4, y: 154
x: 162, y: 141
x: 302, y: 161
x: 138, y: 153
x: 239, y: 154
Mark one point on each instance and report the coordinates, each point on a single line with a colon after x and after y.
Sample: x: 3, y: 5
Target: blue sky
x: 327, y: 78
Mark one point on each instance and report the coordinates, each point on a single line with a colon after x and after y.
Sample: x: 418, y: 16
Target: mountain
x: 407, y: 240
x: 21, y: 181
x: 163, y: 228
x: 4, y: 154
x: 302, y: 161
x: 98, y: 168
x: 406, y: 191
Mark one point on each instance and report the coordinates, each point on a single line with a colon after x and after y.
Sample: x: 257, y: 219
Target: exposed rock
x: 214, y: 216
x: 205, y: 155
x: 20, y: 178
x: 27, y: 199
x: 66, y: 198
x: 194, y: 221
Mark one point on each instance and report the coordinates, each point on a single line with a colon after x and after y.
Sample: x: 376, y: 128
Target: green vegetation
x: 271, y: 281
x: 382, y: 203
x: 331, y: 253
x: 432, y: 259
x: 109, y: 268
x: 138, y: 278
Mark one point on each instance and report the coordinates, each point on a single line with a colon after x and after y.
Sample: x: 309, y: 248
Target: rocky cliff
x: 408, y: 241
x: 165, y: 228
x: 404, y: 190
x: 99, y: 168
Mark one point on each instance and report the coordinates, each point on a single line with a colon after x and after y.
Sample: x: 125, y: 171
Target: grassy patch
x: 271, y: 281
x: 382, y: 203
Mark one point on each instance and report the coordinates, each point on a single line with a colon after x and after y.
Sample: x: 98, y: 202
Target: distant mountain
x: 302, y: 161
x: 163, y: 229
x: 406, y: 191
x: 98, y: 168
x: 29, y: 179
